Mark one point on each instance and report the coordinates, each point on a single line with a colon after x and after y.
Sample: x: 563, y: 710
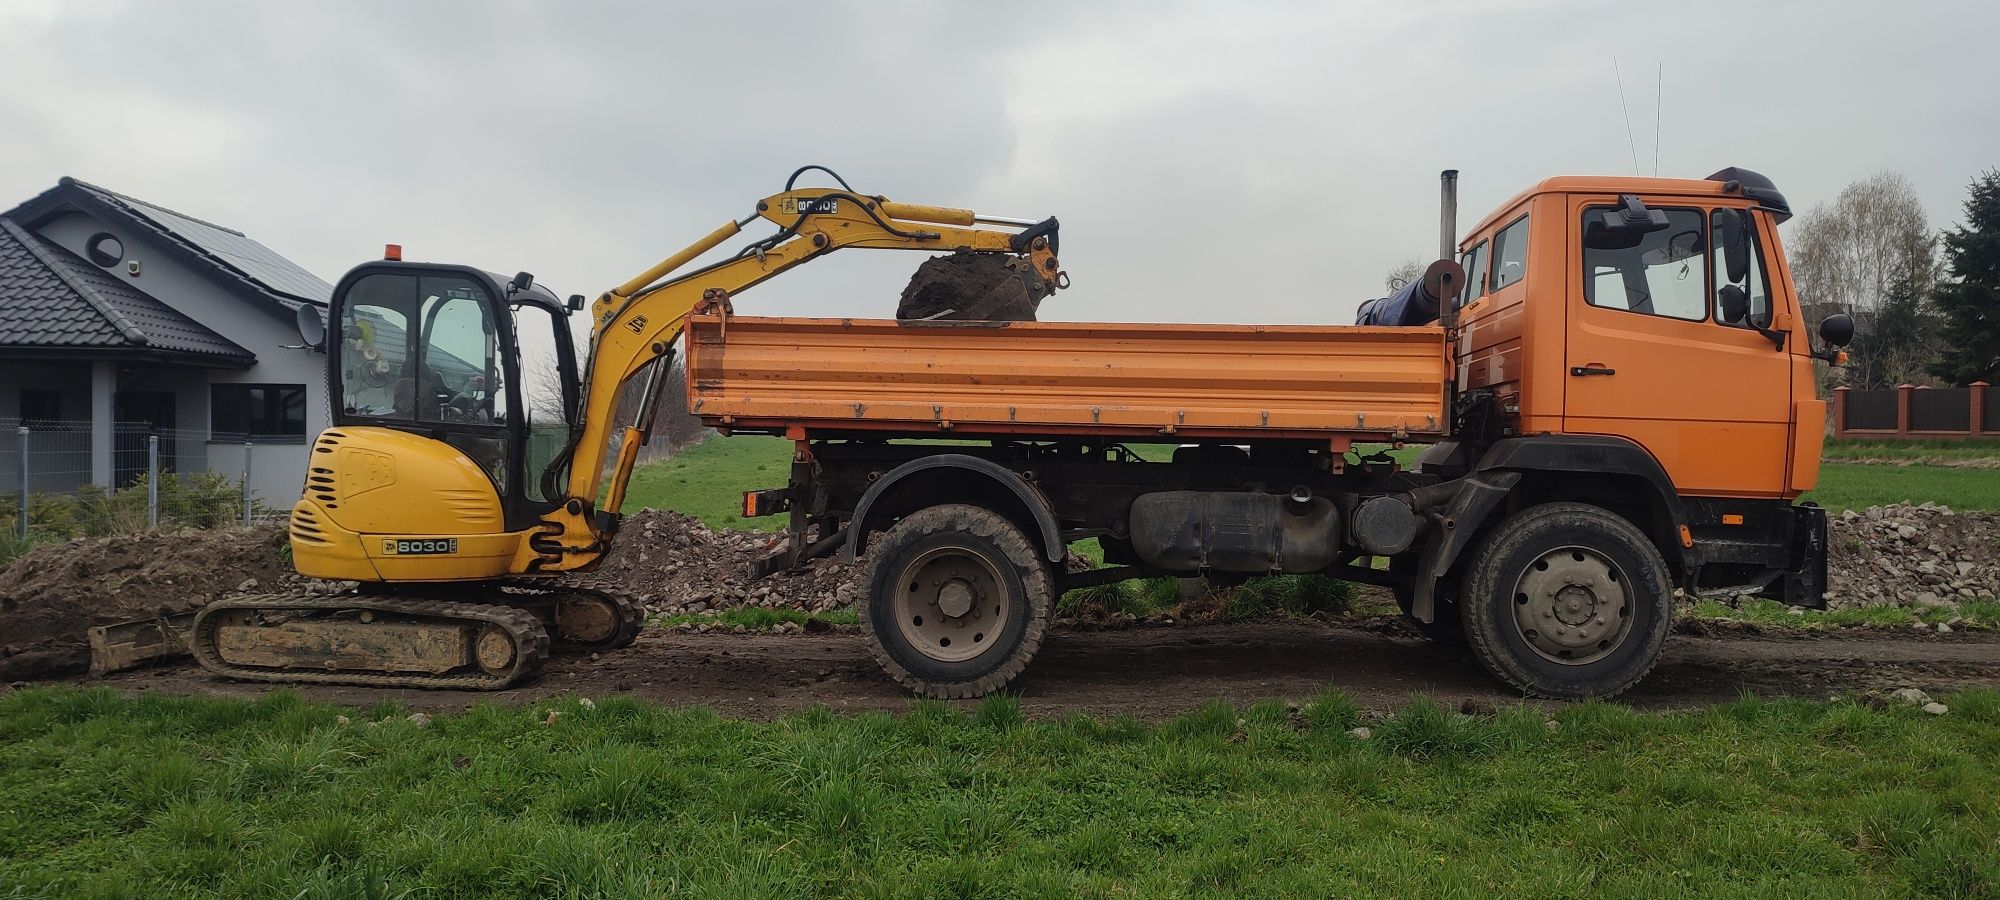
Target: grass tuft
x: 1424, y: 730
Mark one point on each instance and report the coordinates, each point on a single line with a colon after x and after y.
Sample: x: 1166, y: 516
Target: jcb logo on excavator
x: 794, y: 206
x: 406, y: 548
x: 637, y: 325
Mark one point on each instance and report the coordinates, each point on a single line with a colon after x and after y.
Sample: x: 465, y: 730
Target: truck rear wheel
x: 1569, y: 601
x: 954, y: 601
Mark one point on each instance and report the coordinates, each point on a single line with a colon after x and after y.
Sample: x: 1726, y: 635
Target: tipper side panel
x: 1058, y: 377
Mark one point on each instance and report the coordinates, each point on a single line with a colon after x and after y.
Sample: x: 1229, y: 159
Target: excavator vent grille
x: 306, y: 528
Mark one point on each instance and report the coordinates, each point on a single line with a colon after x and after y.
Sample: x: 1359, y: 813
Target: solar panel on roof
x: 254, y: 259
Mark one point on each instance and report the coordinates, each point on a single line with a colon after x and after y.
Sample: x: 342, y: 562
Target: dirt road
x: 1159, y: 672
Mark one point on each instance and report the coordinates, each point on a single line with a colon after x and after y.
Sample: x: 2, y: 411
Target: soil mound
x: 973, y: 286
x: 51, y: 595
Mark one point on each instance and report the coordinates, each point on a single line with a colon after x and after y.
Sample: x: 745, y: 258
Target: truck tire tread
x: 986, y: 525
x: 1483, y: 613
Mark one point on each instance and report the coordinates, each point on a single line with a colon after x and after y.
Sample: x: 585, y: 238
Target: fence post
x: 22, y: 432
x: 1977, y: 423
x: 1903, y: 409
x: 152, y: 481
x: 246, y: 484
x: 1840, y: 410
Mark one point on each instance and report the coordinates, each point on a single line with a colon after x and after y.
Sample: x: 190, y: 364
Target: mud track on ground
x: 1159, y: 672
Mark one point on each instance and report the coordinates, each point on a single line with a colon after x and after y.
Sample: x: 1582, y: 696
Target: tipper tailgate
x: 1060, y: 377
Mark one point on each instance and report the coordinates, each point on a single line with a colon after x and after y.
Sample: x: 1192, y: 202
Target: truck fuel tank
x: 1235, y: 531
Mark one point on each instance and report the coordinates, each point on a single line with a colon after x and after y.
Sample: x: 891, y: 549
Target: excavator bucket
x: 973, y: 286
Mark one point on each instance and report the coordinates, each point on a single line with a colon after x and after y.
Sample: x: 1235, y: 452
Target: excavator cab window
x: 422, y: 351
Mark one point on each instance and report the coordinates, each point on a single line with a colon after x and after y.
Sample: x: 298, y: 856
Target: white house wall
x: 277, y: 470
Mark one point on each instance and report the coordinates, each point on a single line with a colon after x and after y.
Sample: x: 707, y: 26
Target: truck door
x: 1665, y: 346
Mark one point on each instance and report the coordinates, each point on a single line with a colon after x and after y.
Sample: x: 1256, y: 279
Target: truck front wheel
x: 954, y: 601
x: 1569, y: 601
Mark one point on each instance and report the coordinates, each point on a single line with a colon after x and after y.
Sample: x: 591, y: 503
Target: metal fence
x: 1917, y: 412
x: 1941, y: 409
x: 53, y: 487
x: 1871, y: 410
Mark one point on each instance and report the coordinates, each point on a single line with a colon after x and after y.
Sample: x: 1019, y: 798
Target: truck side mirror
x: 1836, y: 330
x: 1735, y: 244
x: 1732, y: 304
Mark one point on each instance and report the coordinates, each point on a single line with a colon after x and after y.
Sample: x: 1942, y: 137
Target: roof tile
x: 52, y: 299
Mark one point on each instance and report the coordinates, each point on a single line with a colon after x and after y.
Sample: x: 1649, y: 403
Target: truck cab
x: 1659, y: 315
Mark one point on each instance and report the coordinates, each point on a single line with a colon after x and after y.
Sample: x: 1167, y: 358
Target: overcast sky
x: 1254, y: 162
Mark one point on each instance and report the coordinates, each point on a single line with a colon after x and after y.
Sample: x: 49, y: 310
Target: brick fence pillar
x: 1840, y: 411
x: 1977, y: 423
x: 1903, y: 408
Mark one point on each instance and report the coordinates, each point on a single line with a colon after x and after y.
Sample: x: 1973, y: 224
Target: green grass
x: 1913, y: 450
x: 707, y: 480
x: 110, y: 796
x: 1858, y: 485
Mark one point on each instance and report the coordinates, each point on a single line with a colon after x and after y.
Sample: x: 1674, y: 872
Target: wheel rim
x: 1573, y: 606
x: 950, y: 604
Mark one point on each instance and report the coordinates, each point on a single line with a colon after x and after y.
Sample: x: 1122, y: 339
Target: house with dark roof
x: 120, y: 317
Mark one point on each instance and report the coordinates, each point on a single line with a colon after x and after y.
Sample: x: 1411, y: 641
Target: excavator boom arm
x: 641, y: 321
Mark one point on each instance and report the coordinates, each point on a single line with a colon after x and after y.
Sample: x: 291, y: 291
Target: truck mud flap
x: 1804, y: 582
x: 1477, y: 497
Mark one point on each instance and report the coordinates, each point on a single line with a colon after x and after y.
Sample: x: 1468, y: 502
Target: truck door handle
x: 1592, y: 370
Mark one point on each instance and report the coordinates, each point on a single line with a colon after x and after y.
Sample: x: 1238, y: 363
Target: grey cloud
x: 1210, y: 161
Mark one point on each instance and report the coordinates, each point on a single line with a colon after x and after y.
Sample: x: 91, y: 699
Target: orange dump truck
x: 1618, y: 398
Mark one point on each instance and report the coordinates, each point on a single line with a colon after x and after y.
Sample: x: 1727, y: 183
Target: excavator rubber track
x: 370, y: 640
x: 585, y: 616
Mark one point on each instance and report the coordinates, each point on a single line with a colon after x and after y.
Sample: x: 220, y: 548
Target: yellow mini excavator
x: 471, y: 525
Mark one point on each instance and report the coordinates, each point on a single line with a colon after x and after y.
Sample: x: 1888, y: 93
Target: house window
x: 40, y: 407
x: 105, y: 249
x: 257, y: 412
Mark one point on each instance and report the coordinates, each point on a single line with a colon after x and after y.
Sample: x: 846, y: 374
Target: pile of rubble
x: 1920, y: 556
x: 675, y: 564
x: 50, y: 597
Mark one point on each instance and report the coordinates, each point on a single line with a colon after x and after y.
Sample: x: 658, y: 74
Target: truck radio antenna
x: 1629, y: 142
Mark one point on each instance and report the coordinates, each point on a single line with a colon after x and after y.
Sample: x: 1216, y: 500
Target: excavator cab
x: 436, y: 351
x: 423, y: 492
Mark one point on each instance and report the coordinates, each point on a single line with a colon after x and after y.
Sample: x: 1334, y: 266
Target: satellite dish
x: 312, y: 328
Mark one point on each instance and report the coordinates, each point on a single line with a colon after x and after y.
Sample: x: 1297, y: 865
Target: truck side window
x: 1742, y: 290
x: 1665, y: 273
x: 1475, y: 274
x: 1510, y: 255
